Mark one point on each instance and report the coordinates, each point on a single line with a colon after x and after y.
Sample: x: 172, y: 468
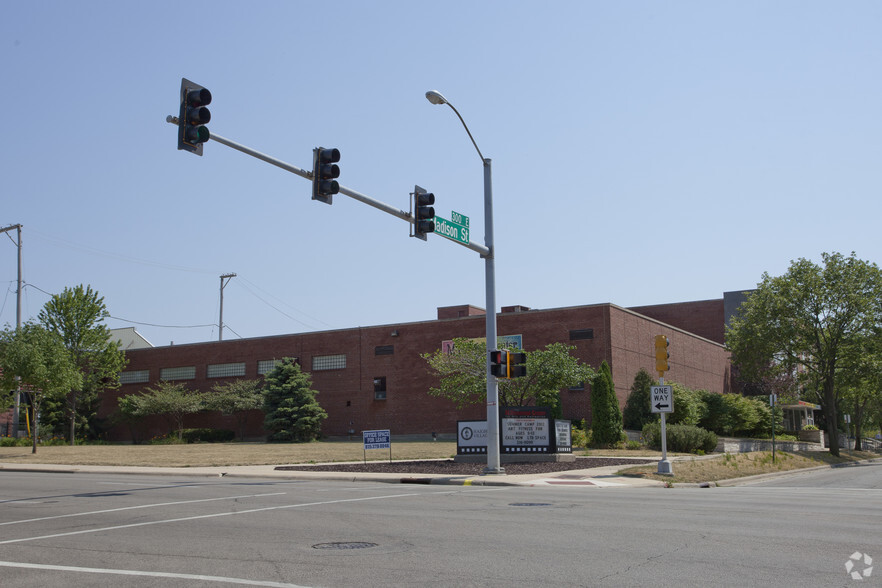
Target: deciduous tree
x: 810, y: 322
x: 463, y: 373
x: 76, y: 315
x: 40, y: 361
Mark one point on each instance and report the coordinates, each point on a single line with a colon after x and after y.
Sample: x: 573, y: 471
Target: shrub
x: 809, y: 428
x: 680, y: 438
x: 689, y: 406
x: 580, y: 437
x: 606, y: 418
x: 638, y: 411
x: 208, y: 435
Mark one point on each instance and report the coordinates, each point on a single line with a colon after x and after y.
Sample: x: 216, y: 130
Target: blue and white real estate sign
x: 379, y: 439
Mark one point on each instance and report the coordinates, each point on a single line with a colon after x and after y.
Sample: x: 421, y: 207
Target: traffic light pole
x: 482, y: 250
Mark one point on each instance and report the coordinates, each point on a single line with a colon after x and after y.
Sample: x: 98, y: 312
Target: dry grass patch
x: 739, y: 465
x: 223, y: 454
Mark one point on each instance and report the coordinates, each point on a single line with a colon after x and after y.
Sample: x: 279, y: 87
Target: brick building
x: 374, y: 377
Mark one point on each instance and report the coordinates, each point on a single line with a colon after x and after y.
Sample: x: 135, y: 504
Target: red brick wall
x: 705, y: 318
x: 622, y: 338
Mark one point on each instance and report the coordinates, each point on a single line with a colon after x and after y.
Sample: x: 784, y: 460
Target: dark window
x: 380, y: 388
x: 581, y: 334
x: 384, y: 350
x: 577, y: 388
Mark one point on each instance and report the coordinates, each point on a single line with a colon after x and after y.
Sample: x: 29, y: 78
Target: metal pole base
x: 496, y: 471
x: 664, y: 468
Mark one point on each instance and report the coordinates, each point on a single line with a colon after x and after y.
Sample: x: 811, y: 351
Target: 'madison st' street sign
x: 456, y: 229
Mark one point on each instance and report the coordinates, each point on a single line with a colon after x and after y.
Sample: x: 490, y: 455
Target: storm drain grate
x: 530, y: 504
x: 344, y: 545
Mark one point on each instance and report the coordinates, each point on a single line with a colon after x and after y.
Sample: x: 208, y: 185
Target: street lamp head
x: 435, y: 97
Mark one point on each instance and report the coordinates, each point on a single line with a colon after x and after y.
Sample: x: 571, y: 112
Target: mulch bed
x: 452, y: 468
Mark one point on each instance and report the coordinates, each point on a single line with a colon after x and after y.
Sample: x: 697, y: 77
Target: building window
x: 265, y: 366
x: 328, y: 362
x: 384, y: 350
x: 380, y: 388
x: 579, y: 334
x: 178, y: 373
x: 134, y: 377
x: 226, y: 370
x: 577, y: 388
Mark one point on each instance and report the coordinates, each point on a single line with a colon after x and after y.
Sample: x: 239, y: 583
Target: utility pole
x: 227, y: 277
x: 15, y: 415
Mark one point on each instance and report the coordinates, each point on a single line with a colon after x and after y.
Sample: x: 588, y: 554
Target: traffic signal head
x: 324, y: 173
x: 193, y: 117
x: 423, y: 213
x: 661, y: 354
x: 499, y: 363
x: 517, y: 364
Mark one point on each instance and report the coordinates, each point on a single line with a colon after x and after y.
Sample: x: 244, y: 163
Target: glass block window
x: 178, y: 373
x: 134, y: 377
x: 226, y: 370
x: 328, y: 362
x: 265, y: 366
x: 581, y: 334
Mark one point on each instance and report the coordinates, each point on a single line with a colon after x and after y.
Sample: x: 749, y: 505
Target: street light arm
x: 467, y: 130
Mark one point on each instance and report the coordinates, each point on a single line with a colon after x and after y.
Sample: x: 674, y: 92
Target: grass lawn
x: 223, y: 454
x: 737, y: 465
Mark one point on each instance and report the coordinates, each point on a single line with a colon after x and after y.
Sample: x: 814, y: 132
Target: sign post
x: 662, y: 401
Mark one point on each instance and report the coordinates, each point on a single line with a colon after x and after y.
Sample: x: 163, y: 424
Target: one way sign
x: 662, y: 398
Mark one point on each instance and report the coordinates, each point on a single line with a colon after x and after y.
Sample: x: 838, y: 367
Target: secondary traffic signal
x: 517, y: 364
x: 324, y: 173
x: 661, y: 355
x: 193, y: 117
x: 499, y: 363
x: 423, y: 213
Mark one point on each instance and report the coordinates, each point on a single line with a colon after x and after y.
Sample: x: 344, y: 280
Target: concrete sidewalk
x: 596, y: 477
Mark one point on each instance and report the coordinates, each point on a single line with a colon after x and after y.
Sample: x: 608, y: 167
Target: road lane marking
x: 93, y: 512
x: 208, y: 516
x: 12, y: 564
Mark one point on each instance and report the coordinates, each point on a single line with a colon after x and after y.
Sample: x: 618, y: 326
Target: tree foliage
x: 463, y: 374
x: 42, y: 363
x: 813, y: 322
x: 168, y: 399
x: 606, y: 417
x: 76, y: 315
x: 292, y: 411
x: 638, y: 411
x: 236, y: 398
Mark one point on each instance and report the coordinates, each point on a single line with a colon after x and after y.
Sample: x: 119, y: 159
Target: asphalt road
x: 107, y: 530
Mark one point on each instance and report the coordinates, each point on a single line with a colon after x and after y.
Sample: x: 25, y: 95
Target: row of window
x: 228, y: 370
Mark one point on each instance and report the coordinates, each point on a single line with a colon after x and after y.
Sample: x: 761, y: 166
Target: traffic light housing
x: 324, y: 173
x: 423, y: 213
x: 499, y: 363
x: 193, y: 117
x: 505, y: 364
x: 662, y: 355
x: 517, y: 364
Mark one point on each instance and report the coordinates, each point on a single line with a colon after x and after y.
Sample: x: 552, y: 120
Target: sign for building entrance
x: 471, y: 437
x: 662, y: 399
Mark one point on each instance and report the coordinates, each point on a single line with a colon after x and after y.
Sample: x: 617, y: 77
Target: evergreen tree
x: 292, y: 411
x: 638, y: 411
x: 606, y: 418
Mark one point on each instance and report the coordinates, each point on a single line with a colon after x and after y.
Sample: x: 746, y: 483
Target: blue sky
x: 643, y: 152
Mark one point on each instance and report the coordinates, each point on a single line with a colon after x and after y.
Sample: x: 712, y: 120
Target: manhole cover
x: 344, y: 545
x: 530, y: 504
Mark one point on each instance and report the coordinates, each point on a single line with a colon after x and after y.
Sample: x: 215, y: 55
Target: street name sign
x: 662, y: 399
x: 456, y: 229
